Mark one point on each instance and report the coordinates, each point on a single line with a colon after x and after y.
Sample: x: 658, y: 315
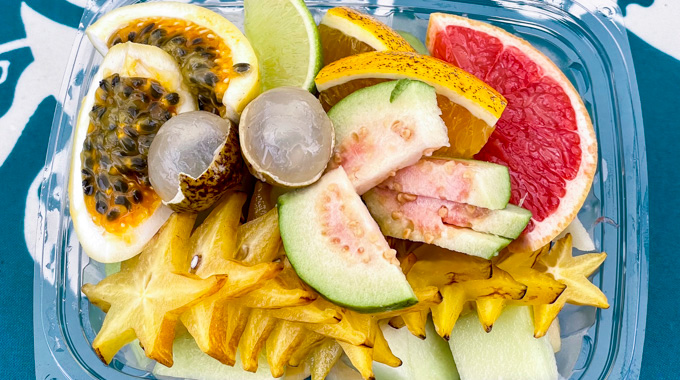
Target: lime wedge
x: 286, y: 42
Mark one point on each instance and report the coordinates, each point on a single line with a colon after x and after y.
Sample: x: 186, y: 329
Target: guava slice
x: 385, y: 127
x: 401, y: 217
x: 431, y: 213
x: 476, y: 183
x: 336, y: 247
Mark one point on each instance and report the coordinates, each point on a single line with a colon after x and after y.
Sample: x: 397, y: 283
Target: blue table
x: 35, y: 44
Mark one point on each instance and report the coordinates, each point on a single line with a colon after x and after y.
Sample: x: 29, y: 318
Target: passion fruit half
x: 216, y: 59
x: 114, y: 208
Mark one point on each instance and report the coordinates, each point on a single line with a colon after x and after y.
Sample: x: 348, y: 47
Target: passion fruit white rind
x: 242, y: 88
x: 336, y: 247
x: 128, y: 60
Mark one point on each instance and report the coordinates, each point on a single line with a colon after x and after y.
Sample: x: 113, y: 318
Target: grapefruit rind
x: 365, y: 29
x: 130, y: 60
x: 578, y: 188
x: 242, y: 88
x: 459, y: 86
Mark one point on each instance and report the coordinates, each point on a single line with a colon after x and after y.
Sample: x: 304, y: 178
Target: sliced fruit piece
x: 337, y: 248
x: 476, y: 183
x: 192, y: 363
x: 260, y: 326
x: 345, y: 31
x: 342, y: 371
x: 545, y: 136
x: 542, y: 288
x: 281, y: 345
x: 361, y: 358
x: 324, y: 358
x: 216, y: 59
x: 425, y: 359
x: 300, y: 356
x: 437, y: 266
x: 572, y: 272
x: 425, y: 225
x: 315, y: 312
x: 274, y: 295
x: 261, y: 201
x: 427, y: 213
x: 194, y: 159
x: 145, y: 300
x: 383, y: 128
x: 286, y: 42
x: 115, y: 211
x: 469, y: 107
x: 206, y: 320
x: 554, y: 335
x: 259, y: 240
x: 286, y: 137
x: 213, y: 243
x: 510, y: 351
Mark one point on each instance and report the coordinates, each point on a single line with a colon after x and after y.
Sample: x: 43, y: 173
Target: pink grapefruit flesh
x: 544, y: 137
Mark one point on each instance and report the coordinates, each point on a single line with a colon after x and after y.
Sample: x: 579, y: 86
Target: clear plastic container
x: 587, y: 42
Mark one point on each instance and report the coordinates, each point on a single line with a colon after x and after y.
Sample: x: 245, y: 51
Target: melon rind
x: 128, y: 60
x: 375, y: 109
x: 508, y: 352
x: 366, y: 29
x: 458, y: 239
x: 242, y: 88
x: 341, y: 277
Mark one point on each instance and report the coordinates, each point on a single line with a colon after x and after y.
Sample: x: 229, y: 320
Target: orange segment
x: 345, y: 31
x: 469, y: 107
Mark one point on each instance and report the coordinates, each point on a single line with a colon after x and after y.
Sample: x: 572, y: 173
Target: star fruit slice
x: 542, y: 288
x: 572, y: 272
x: 145, y: 299
x: 214, y: 245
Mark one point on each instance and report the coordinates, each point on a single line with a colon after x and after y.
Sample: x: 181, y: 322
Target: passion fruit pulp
x: 216, y: 60
x: 205, y: 60
x: 124, y: 120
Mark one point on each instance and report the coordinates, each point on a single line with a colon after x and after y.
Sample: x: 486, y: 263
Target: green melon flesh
x: 336, y: 247
x: 421, y: 225
x: 508, y: 352
x: 428, y: 359
x: 192, y: 363
x: 432, y: 213
x: 476, y: 183
x: 386, y: 127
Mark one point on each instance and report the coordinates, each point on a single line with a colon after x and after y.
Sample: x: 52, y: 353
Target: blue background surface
x: 659, y: 81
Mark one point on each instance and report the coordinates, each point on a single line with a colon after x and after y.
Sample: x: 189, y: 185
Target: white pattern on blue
x: 50, y: 44
x: 657, y: 25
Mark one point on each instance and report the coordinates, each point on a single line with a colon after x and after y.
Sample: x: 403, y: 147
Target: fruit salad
x: 336, y: 200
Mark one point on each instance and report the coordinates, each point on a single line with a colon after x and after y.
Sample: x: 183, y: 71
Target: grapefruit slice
x: 544, y: 137
x: 470, y: 108
x: 345, y: 31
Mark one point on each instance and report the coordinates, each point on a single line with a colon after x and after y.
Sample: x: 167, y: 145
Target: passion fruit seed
x: 114, y: 156
x: 204, y: 59
x: 286, y: 137
x: 195, y: 153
